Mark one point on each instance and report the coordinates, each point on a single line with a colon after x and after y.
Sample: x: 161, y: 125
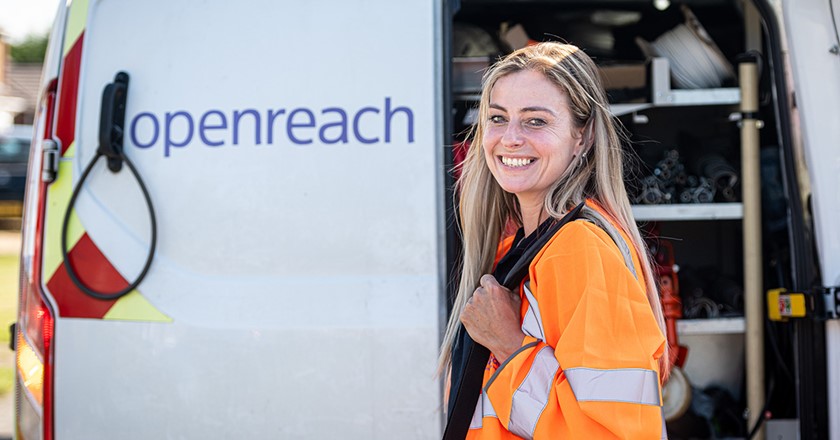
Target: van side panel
x: 291, y: 151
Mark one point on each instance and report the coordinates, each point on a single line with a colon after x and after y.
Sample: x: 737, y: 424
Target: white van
x: 280, y: 262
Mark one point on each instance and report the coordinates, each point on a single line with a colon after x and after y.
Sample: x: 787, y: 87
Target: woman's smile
x: 516, y: 162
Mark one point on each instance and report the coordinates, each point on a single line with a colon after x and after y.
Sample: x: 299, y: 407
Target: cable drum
x: 722, y: 174
x: 696, y: 61
x: 676, y: 395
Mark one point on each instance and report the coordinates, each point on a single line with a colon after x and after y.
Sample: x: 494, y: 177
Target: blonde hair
x: 485, y: 208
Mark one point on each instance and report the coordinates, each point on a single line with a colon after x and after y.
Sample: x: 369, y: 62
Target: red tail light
x: 34, y: 359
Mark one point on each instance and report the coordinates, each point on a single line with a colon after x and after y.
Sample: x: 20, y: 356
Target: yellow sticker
x: 76, y: 21
x: 58, y: 196
x: 135, y: 307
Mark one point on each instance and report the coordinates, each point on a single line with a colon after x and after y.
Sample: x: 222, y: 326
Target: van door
x: 811, y: 28
x: 291, y: 151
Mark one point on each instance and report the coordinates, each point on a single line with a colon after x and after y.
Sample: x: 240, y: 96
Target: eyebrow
x: 525, y: 109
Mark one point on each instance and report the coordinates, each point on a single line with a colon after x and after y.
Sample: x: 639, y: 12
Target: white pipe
x: 753, y: 288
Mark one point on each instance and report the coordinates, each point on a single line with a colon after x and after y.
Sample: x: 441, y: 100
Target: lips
x: 516, y: 162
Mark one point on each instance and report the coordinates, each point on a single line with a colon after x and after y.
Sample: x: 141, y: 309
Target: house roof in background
x: 23, y: 80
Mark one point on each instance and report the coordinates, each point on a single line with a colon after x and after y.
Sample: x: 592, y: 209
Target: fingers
x: 477, y: 300
x: 479, y: 291
x: 488, y: 281
x: 491, y: 312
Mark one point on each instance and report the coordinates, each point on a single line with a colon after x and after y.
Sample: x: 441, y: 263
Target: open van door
x: 814, y: 44
x: 292, y: 155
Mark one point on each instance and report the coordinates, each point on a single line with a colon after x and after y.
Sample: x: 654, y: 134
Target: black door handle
x: 112, y: 121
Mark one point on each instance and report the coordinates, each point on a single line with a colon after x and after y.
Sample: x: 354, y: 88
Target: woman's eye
x: 536, y: 122
x: 497, y: 119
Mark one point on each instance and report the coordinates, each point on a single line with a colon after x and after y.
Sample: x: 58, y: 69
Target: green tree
x: 30, y: 50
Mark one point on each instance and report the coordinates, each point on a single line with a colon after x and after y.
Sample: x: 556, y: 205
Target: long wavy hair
x: 485, y: 208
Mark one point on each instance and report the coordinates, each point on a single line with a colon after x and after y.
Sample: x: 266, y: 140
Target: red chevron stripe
x: 68, y: 92
x: 94, y: 271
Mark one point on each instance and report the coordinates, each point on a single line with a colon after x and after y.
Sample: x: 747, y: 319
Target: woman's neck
x: 532, y: 214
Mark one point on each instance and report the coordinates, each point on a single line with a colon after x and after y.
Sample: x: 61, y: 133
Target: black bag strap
x: 466, y: 396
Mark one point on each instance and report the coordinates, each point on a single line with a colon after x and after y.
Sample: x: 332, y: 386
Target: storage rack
x: 662, y: 95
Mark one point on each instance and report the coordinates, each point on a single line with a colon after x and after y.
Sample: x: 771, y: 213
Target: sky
x: 19, y: 18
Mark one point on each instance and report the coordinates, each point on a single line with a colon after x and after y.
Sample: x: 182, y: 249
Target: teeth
x: 516, y: 161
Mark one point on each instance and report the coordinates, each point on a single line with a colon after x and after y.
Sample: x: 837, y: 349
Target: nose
x: 513, y: 136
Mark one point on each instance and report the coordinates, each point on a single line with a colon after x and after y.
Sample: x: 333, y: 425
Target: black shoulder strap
x: 467, y: 394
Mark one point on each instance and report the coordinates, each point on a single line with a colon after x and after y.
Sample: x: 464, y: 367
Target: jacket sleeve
x: 589, y: 367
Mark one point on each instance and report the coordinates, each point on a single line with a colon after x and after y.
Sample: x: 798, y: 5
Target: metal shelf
x: 689, y: 211
x: 662, y: 95
x: 713, y: 326
x: 676, y: 98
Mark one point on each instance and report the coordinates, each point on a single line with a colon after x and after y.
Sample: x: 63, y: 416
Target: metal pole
x: 753, y: 288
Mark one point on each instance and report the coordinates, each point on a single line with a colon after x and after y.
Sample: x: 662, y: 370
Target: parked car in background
x: 14, y: 155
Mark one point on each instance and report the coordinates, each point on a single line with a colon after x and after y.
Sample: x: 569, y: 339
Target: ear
x: 586, y: 137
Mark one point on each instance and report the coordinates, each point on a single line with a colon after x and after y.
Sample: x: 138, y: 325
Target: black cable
x: 771, y: 386
x: 70, y: 271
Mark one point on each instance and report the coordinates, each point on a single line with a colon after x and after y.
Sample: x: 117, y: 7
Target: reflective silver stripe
x: 596, y: 217
x: 631, y: 385
x: 488, y: 409
x: 504, y: 364
x: 483, y: 408
x: 476, y: 422
x: 531, y: 398
x: 532, y: 323
x: 664, y: 429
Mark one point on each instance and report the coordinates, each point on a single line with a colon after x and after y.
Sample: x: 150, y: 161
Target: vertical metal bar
x: 753, y: 287
x: 446, y: 14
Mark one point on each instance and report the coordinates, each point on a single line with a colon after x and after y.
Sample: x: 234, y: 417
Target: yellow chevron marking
x: 76, y: 20
x: 58, y: 196
x: 135, y: 307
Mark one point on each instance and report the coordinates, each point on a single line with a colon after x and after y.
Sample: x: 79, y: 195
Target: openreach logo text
x: 275, y: 126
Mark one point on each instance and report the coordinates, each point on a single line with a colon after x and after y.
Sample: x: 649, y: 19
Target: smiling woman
x: 578, y: 350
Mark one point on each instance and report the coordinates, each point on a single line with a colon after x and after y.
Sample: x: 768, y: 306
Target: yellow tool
x: 782, y: 305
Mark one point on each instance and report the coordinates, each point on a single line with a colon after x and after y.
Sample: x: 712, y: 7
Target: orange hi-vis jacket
x: 588, y: 367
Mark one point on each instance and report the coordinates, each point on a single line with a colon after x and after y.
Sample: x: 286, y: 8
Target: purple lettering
x: 203, y: 127
x: 389, y: 114
x: 168, y: 141
x: 341, y: 125
x: 356, y: 118
x: 271, y: 116
x: 155, y: 126
x: 237, y: 115
x: 291, y: 125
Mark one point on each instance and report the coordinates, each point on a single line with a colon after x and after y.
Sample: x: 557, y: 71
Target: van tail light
x: 36, y: 318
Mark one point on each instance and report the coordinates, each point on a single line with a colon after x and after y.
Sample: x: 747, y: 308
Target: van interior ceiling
x: 671, y: 70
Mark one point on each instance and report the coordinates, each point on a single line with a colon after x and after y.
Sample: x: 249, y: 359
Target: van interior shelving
x: 661, y: 118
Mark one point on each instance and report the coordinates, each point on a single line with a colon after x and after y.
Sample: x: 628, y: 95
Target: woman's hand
x: 492, y: 318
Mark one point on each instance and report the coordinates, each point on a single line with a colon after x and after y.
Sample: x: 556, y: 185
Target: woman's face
x: 530, y: 137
